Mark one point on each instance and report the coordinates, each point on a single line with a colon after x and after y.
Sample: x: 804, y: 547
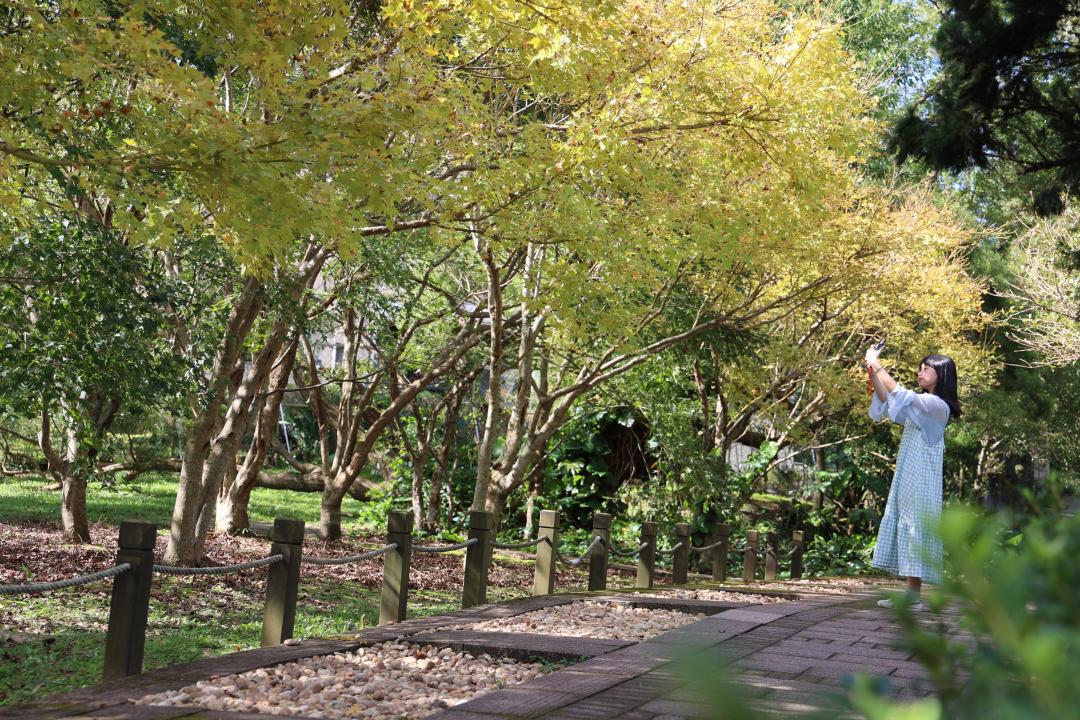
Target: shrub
x: 1017, y: 594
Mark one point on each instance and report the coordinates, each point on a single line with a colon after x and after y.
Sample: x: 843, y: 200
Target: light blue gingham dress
x: 907, y: 543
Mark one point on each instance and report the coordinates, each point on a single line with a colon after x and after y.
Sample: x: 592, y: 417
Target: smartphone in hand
x: 869, y: 372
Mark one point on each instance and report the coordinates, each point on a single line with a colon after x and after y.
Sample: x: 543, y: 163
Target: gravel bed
x: 388, y: 680
x: 717, y: 595
x: 838, y: 585
x: 601, y: 620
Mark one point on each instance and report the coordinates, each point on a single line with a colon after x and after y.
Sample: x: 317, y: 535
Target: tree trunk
x: 218, y: 439
x: 430, y: 522
x: 188, y: 504
x: 315, y: 399
x: 73, y: 518
x: 441, y: 473
x: 451, y: 506
x: 418, y: 493
x: 220, y: 468
x: 71, y: 468
x: 212, y: 490
x: 493, y: 399
x: 232, y: 517
x: 346, y: 482
x: 330, y: 508
x: 819, y: 465
x: 232, y: 509
x: 529, y: 453
x: 181, y: 549
x: 353, y: 465
x: 137, y: 468
x: 708, y: 439
x: 73, y: 508
x: 496, y: 504
x: 537, y: 480
x: 230, y: 492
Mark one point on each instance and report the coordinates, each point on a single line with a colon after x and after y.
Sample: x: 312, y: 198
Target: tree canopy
x: 535, y: 200
x: 1007, y: 90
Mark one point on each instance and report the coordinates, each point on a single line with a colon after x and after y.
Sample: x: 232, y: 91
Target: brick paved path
x: 789, y: 657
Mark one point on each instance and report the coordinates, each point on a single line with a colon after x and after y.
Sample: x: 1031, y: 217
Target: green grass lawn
x: 190, y: 618
x: 150, y: 498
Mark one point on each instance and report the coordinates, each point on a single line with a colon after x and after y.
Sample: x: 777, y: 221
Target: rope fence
x: 671, y: 550
x: 520, y: 545
x: 219, y: 570
x: 34, y: 588
x: 132, y: 575
x: 445, y: 548
x: 627, y: 553
x: 716, y: 544
x: 580, y: 559
x: 350, y: 559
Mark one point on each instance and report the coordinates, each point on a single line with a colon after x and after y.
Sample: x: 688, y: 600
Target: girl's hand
x: 872, y: 355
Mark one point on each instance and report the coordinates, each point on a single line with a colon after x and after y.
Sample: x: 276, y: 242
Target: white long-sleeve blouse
x: 929, y: 412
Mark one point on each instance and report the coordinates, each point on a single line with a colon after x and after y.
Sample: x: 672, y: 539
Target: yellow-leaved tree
x: 628, y: 174
x: 708, y: 180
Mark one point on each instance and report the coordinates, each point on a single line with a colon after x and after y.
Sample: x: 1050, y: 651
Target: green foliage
x: 893, y: 40
x: 1047, y: 287
x: 851, y: 497
x: 82, y: 318
x: 370, y: 515
x: 1006, y: 89
x: 1015, y: 593
x: 303, y: 432
x: 865, y: 697
x: 577, y: 470
x: 157, y: 112
x: 685, y: 483
x: 840, y: 554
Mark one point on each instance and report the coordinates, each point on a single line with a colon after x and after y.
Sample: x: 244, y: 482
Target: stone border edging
x: 520, y: 646
x: 623, y: 668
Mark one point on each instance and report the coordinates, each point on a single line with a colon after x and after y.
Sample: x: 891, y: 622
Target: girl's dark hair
x: 945, y: 388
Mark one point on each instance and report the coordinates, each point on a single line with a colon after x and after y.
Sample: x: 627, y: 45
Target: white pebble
x: 589, y: 619
x: 381, y: 682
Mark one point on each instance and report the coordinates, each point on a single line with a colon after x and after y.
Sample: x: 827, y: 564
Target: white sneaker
x: 917, y: 606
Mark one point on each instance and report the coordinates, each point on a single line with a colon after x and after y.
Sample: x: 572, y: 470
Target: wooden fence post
x: 130, y: 602
x: 283, y: 582
x: 797, y: 550
x: 646, y: 565
x: 546, y: 553
x: 772, y: 555
x: 477, y: 559
x: 680, y: 564
x: 749, y: 563
x: 721, y: 534
x: 395, y: 589
x: 598, y: 557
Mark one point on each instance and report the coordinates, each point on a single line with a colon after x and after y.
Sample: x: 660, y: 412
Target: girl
x: 907, y: 542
